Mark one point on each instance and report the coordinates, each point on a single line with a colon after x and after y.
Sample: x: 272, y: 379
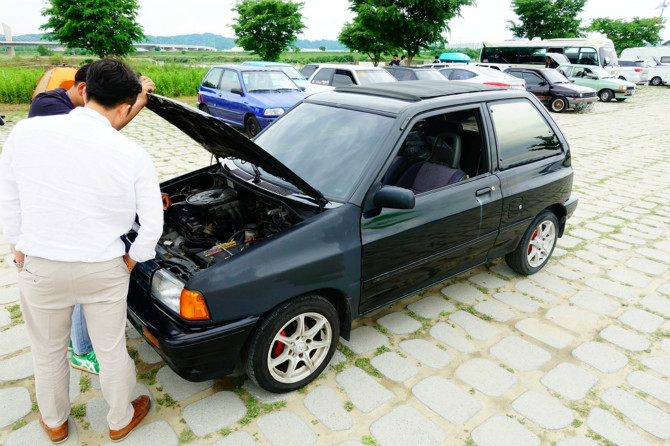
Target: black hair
x: 111, y: 82
x: 80, y: 75
x: 395, y: 55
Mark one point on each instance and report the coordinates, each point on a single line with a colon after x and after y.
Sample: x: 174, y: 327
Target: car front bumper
x: 578, y: 103
x: 621, y: 94
x: 196, y: 353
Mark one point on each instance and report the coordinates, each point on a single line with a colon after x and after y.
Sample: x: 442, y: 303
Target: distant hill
x: 206, y: 39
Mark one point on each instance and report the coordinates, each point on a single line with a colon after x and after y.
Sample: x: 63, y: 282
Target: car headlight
x: 273, y: 111
x: 166, y: 288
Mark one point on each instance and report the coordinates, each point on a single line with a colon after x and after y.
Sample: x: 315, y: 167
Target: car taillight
x: 200, y: 98
x: 498, y: 84
x: 192, y: 306
x: 638, y: 70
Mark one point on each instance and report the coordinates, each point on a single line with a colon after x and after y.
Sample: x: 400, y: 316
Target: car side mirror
x: 607, y: 60
x: 394, y: 197
x: 236, y: 90
x: 303, y: 88
x: 542, y: 83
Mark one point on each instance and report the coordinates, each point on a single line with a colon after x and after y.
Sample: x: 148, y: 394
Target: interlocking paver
x: 148, y: 354
x: 646, y: 266
x: 518, y: 301
x: 325, y: 404
x: 520, y: 354
x: 657, y: 304
x: 475, y: 327
x: 461, y: 292
x: 17, y: 367
x: 426, y: 353
x: 214, y: 412
x: 33, y: 434
x: 604, y: 423
x: 486, y: 376
x: 607, y: 286
x: 543, y: 410
x: 399, y: 323
x: 9, y: 295
x: 286, y: 427
x: 647, y: 383
x: 450, y: 336
x: 646, y: 416
x: 405, y: 425
x: 447, y: 399
x: 14, y: 405
x: 600, y: 356
x: 5, y: 319
x: 658, y: 364
x: 97, y: 408
x: 237, y: 439
x: 14, y: 339
x: 394, y: 367
x: 641, y: 320
x: 556, y: 285
x: 364, y: 392
x: 177, y: 387
x: 572, y: 319
x: 364, y: 339
x: 629, y: 277
x: 544, y: 332
x: 625, y: 338
x: 430, y: 307
x: 595, y: 302
x: 495, y: 310
x: 503, y: 431
x: 577, y: 441
x: 534, y: 291
x: 487, y: 280
x: 570, y: 381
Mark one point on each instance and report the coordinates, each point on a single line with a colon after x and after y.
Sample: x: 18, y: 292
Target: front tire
x: 252, y: 126
x: 558, y: 105
x: 293, y: 344
x: 536, y: 245
x: 655, y: 81
x: 605, y: 95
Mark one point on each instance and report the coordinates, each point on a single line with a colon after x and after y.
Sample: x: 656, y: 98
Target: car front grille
x: 589, y: 95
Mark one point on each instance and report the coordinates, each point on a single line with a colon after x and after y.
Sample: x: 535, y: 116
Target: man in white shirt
x: 70, y: 186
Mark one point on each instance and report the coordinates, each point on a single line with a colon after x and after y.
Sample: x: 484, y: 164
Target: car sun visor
x: 223, y: 141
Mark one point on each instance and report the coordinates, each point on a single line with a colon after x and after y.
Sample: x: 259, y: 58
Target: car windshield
x: 328, y: 147
x: 263, y: 81
x: 292, y: 72
x: 601, y: 72
x: 429, y: 75
x: 374, y: 76
x: 555, y: 77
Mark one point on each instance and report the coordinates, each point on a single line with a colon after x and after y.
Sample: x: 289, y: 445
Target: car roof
x: 261, y: 63
x: 349, y: 67
x: 409, y: 67
x: 245, y: 67
x: 539, y: 69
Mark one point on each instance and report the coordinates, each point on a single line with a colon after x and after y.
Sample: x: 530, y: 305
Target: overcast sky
x: 324, y: 18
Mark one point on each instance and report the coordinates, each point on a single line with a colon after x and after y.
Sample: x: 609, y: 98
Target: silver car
x: 482, y: 75
x: 633, y: 70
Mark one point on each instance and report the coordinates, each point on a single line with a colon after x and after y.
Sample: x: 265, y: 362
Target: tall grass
x: 18, y: 84
x: 173, y: 80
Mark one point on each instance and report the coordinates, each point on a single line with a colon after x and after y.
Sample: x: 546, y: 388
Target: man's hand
x: 166, y: 200
x: 148, y: 86
x: 130, y: 263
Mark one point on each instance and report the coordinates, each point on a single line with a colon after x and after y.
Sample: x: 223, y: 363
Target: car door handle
x: 485, y: 190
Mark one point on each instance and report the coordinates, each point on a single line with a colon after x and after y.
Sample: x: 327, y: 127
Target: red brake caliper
x: 279, y: 347
x: 530, y: 246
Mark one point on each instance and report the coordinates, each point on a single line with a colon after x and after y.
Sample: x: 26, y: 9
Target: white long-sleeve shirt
x: 71, y: 185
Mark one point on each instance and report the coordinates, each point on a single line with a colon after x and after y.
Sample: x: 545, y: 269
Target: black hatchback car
x: 555, y: 90
x: 354, y: 199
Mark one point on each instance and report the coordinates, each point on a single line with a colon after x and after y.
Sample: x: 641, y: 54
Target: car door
x: 210, y: 91
x: 537, y: 85
x: 232, y: 98
x: 533, y: 166
x: 450, y: 229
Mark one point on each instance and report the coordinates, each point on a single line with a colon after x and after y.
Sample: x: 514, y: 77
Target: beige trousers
x: 48, y: 292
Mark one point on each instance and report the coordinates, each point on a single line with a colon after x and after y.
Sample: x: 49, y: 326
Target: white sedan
x: 482, y: 75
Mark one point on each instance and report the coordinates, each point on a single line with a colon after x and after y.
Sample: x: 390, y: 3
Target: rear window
x: 522, y: 134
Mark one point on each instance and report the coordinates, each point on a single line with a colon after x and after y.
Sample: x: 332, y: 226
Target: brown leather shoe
x: 58, y: 434
x: 141, y: 405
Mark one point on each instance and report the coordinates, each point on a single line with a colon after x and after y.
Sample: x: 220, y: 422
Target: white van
x: 661, y: 53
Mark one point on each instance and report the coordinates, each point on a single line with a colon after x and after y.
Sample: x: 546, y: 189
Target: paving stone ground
x: 576, y: 355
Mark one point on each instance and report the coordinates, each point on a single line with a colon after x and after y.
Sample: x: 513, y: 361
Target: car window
x: 366, y: 77
x: 439, y: 151
x: 322, y: 77
x: 532, y: 78
x: 447, y: 72
x: 308, y: 70
x: 329, y: 147
x: 291, y: 72
x: 522, y: 133
x: 428, y: 75
x: 578, y: 72
x: 267, y: 81
x: 343, y: 78
x: 405, y: 75
x: 230, y: 80
x: 212, y: 78
x: 458, y: 75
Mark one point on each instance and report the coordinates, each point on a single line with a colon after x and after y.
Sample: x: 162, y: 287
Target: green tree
x: 407, y: 24
x: 42, y: 50
x: 103, y: 26
x: 547, y: 19
x: 356, y: 38
x: 637, y: 32
x: 267, y: 27
x: 322, y: 48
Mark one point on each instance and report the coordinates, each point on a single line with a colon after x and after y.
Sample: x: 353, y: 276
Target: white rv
x: 661, y: 53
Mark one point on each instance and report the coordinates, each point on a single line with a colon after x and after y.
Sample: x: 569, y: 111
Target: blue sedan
x: 247, y: 96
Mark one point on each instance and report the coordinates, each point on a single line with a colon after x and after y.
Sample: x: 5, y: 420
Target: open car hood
x: 223, y: 141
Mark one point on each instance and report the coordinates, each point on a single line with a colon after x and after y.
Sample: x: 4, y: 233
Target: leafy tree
x: 267, y: 27
x: 547, y: 19
x: 637, y: 32
x: 104, y: 27
x: 407, y: 24
x: 42, y: 50
x: 356, y: 38
x: 322, y: 48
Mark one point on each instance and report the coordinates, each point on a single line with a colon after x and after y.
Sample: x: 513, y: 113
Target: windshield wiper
x: 257, y: 171
x: 260, y: 89
x: 287, y: 89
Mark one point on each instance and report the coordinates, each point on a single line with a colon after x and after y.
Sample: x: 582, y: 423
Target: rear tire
x: 536, y: 245
x: 205, y: 109
x: 293, y: 344
x: 558, y: 104
x: 655, y: 81
x: 605, y: 95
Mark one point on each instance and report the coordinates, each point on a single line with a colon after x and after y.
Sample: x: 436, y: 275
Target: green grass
x: 18, y: 84
x: 14, y: 311
x: 78, y: 411
x: 84, y: 382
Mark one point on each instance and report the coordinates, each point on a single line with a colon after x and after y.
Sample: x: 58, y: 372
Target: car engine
x: 204, y: 227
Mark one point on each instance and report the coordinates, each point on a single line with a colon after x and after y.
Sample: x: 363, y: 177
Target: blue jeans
x: 81, y: 343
